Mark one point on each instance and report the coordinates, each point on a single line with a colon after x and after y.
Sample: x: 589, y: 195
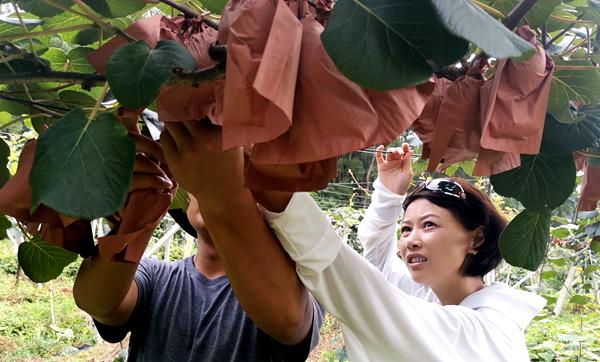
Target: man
x: 237, y: 299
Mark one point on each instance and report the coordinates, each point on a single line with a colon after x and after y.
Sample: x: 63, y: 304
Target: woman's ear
x: 478, y: 237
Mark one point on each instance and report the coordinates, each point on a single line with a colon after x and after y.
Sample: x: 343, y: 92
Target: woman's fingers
x: 379, y: 154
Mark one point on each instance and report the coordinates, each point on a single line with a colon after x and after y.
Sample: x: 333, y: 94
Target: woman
x: 438, y: 310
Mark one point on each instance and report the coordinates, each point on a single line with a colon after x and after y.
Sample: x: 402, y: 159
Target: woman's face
x: 433, y: 243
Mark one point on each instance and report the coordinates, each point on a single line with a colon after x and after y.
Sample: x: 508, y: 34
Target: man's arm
x: 104, y: 287
x: 262, y: 275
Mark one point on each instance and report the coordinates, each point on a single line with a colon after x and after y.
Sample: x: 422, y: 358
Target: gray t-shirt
x: 181, y: 315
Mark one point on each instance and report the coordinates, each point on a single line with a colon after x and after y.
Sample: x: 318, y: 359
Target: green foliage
x: 572, y: 86
x: 567, y: 137
x: 136, y: 73
x: 101, y: 148
x: 536, y: 17
x: 542, y: 181
x: 42, y: 261
x: 524, y: 241
x: 116, y: 8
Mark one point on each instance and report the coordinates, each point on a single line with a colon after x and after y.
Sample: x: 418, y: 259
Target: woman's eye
x: 405, y: 229
x: 428, y: 224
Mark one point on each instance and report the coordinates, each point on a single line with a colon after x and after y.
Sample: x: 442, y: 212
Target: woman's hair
x: 472, y: 211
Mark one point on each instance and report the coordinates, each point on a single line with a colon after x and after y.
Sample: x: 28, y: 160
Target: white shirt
x: 380, y: 320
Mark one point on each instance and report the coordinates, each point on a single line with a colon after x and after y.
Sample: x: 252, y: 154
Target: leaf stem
x: 490, y: 10
x: 98, y: 102
x: 563, y: 32
x: 517, y: 14
x: 575, y: 67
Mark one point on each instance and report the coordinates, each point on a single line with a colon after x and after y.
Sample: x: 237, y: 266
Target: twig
x: 196, y: 78
x: 47, y: 32
x: 514, y: 17
x: 96, y: 19
x: 358, y: 183
x: 32, y: 103
x: 575, y: 67
x: 21, y: 118
x: 563, y: 32
x: 24, y: 27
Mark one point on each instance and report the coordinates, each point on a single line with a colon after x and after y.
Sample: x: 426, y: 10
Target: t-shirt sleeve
x: 144, y: 278
x: 300, y: 351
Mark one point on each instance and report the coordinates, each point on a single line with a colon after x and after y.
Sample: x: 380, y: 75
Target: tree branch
x: 88, y: 80
x: 518, y: 13
x: 190, y: 13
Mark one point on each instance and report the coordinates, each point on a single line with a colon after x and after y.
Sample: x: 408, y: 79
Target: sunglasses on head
x: 443, y: 186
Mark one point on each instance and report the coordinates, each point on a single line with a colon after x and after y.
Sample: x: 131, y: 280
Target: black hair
x: 475, y: 210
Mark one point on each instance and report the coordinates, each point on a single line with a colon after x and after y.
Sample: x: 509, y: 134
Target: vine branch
x: 517, y: 14
x: 190, y: 13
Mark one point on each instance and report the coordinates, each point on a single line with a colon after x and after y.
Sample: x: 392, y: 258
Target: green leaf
x: 591, y: 269
x: 181, y: 200
x: 78, y: 60
x: 595, y: 246
x: 541, y: 182
x: 82, y: 168
x: 42, y: 9
x: 214, y: 6
x: 572, y: 85
x: 579, y: 299
x: 115, y: 8
x: 75, y: 98
x: 466, y: 20
x: 5, y: 224
x: 58, y: 59
x: 386, y: 44
x: 451, y: 170
x: 557, y: 261
x: 4, y: 155
x: 42, y: 261
x: 536, y: 16
x: 135, y: 73
x: 561, y: 137
x: 549, y: 274
x: 524, y: 241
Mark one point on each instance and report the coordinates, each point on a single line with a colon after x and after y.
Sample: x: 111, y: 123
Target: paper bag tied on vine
x: 283, y: 95
x: 318, y: 114
x: 513, y: 108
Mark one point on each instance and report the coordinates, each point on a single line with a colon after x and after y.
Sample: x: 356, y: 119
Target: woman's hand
x: 395, y: 168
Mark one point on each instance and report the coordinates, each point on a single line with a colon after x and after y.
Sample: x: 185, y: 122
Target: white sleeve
x: 385, y: 321
x: 377, y: 232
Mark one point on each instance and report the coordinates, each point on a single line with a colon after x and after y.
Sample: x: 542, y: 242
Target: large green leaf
x: 567, y: 137
x: 82, y: 168
x: 58, y: 59
x: 467, y: 21
x: 214, y: 6
x: 524, y: 241
x: 543, y: 181
x: 181, y: 200
x: 536, y: 16
x: 572, y: 85
x: 385, y: 44
x: 42, y: 9
x: 42, y: 261
x: 135, y: 72
x: 115, y: 8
